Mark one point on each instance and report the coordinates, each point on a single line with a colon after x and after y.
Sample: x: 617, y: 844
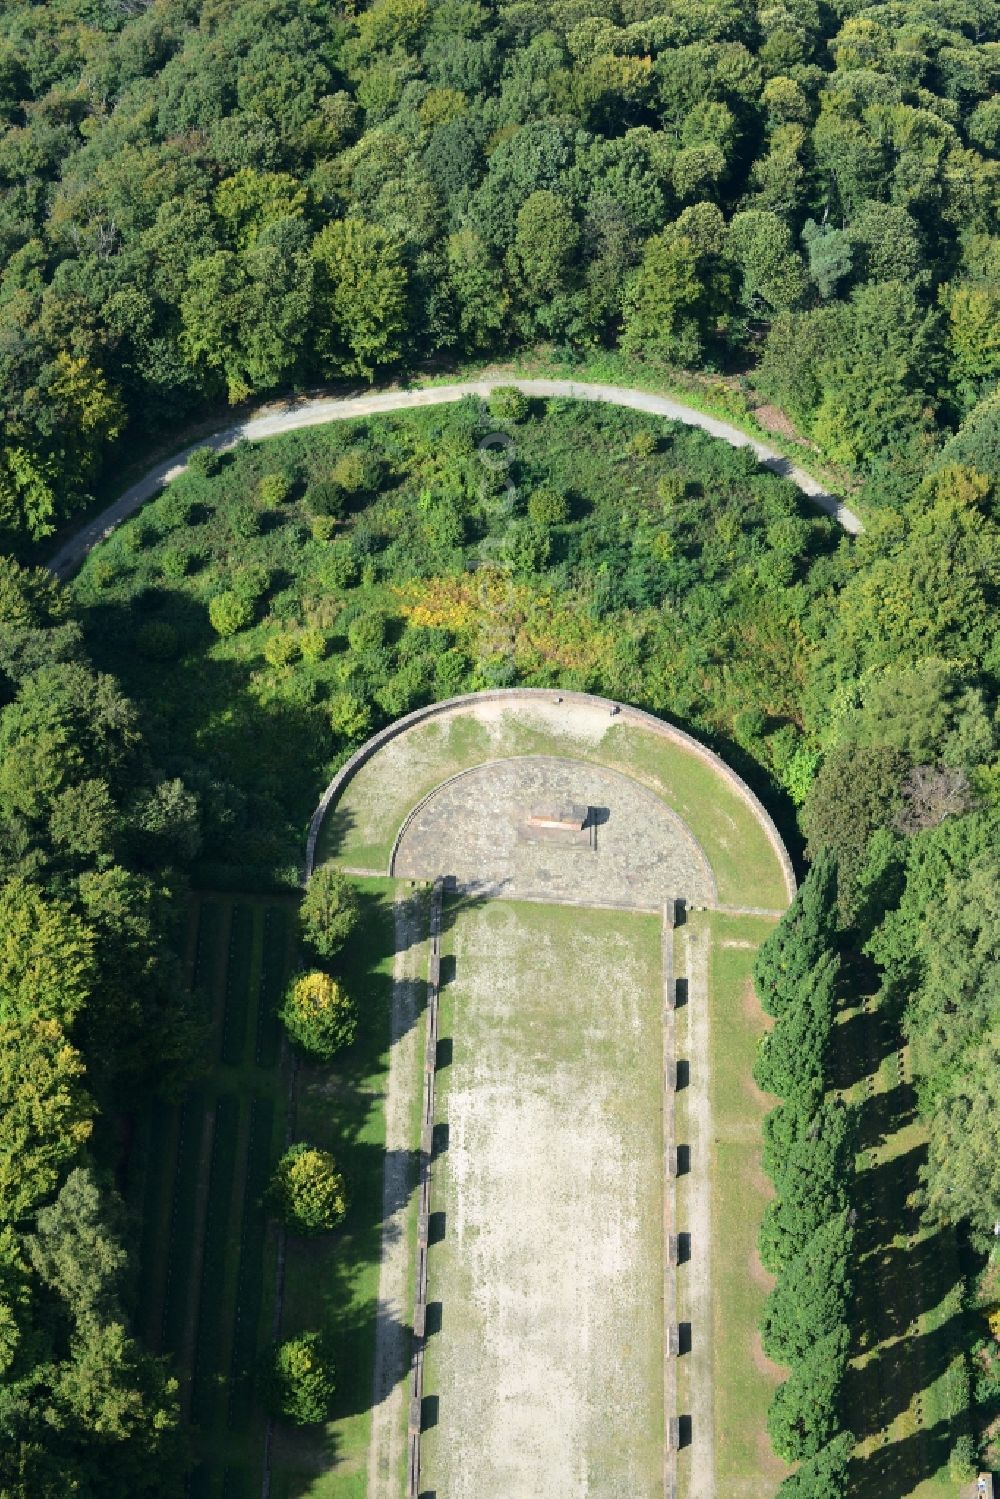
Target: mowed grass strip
x: 274, y: 972
x: 331, y: 1283
x: 906, y: 1388
x: 226, y: 944
x: 250, y: 1282
x: 208, y: 918
x: 211, y: 1362
x: 744, y: 1380
x: 545, y: 1355
x: 157, y: 1143
x: 360, y: 830
x: 238, y: 986
x: 181, y: 1255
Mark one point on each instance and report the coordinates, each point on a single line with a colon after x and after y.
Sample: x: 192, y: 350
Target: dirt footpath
x: 387, y: 1452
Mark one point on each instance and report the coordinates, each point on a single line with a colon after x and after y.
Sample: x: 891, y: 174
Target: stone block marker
x: 424, y: 1208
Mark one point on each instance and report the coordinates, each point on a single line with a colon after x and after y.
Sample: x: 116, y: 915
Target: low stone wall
x: 625, y: 714
x: 424, y: 1202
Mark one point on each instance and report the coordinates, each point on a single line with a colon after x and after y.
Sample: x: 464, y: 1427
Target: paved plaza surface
x: 473, y: 828
x: 544, y: 1367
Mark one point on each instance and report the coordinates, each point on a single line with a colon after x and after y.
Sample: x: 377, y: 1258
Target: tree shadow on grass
x: 885, y: 1386
x: 863, y: 1040
x: 898, y: 1467
x: 878, y: 1117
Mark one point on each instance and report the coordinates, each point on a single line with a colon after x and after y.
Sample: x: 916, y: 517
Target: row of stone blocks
x: 424, y: 1205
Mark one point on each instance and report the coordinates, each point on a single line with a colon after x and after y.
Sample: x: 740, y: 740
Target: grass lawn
x: 544, y: 1362
x: 741, y: 1379
x: 909, y: 1361
x: 207, y: 1255
x: 332, y: 1283
x: 362, y: 827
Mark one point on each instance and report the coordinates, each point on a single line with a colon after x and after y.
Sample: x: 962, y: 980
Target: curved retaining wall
x: 626, y: 714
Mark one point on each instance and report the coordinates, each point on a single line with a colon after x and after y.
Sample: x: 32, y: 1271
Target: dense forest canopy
x: 210, y: 201
x: 204, y: 203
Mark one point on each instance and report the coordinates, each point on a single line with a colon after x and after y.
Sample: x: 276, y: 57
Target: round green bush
x: 319, y: 1015
x: 366, y: 633
x: 243, y: 519
x: 299, y: 1382
x: 546, y: 507
x: 306, y: 1191
x: 229, y: 612
x: 251, y: 582
x: 350, y: 716
x: 322, y: 527
x: 329, y: 911
x: 327, y: 499
x: 273, y: 489
x: 357, y: 473
x: 204, y: 462
x: 508, y: 404
x: 451, y: 672
x: 312, y: 644
x: 174, y: 562
x: 280, y: 648
x: 645, y: 443
x: 340, y: 565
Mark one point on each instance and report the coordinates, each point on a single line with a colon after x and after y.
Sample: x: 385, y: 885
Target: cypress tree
x: 806, y: 932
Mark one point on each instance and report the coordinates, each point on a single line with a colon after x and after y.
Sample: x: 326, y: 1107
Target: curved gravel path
x: 316, y: 413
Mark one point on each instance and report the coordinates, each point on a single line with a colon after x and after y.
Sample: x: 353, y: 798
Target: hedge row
x: 250, y: 1283
x: 234, y: 1028
x: 206, y: 948
x: 178, y: 1280
x: 159, y: 1127
x: 209, y: 1366
x: 273, y: 974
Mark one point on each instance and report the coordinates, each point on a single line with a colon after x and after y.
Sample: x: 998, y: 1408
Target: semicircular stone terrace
x: 476, y: 831
x: 451, y: 789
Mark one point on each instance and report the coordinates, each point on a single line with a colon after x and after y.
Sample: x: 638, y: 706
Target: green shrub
x: 251, y: 582
x: 136, y: 538
x: 174, y: 562
x: 366, y: 633
x: 357, y: 473
x: 318, y: 1015
x: 242, y: 519
x: 322, y: 527
x: 312, y: 644
x: 645, y: 443
x: 299, y: 1383
x: 273, y: 489
x: 329, y: 910
x: 508, y: 404
x: 350, y: 716
x: 306, y: 1191
x: 670, y: 488
x: 547, y: 507
x: 450, y: 673
x: 229, y: 612
x: 326, y: 498
x: 280, y: 648
x: 962, y: 1460
x: 204, y: 462
x: 340, y: 566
